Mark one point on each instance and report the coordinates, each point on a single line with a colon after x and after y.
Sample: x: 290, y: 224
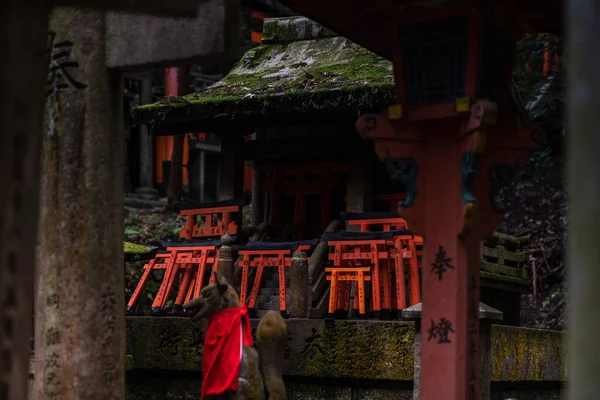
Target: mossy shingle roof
x: 300, y: 69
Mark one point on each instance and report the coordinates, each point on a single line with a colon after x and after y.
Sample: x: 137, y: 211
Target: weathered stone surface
x: 225, y: 263
x: 80, y: 324
x: 344, y: 349
x: 381, y: 350
x: 297, y: 391
x: 299, y: 288
x: 143, y: 40
x: 291, y: 29
x: 522, y: 354
x: 306, y: 77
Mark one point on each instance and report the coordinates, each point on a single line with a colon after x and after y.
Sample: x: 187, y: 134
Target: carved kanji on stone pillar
x: 30, y: 55
x: 452, y: 170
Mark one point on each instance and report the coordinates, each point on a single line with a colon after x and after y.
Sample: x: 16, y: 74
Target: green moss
x: 504, y: 278
x: 138, y: 252
x: 362, y: 350
x: 256, y: 56
x: 129, y: 365
x: 165, y: 343
x: 380, y: 350
x: 503, y: 270
x: 308, y: 76
x: 521, y: 354
x: 290, y: 29
x: 132, y: 248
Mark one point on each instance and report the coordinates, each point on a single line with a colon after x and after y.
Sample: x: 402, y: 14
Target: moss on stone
x: 132, y: 248
x: 129, y: 365
x: 137, y: 252
x: 521, y: 354
x: 504, y: 278
x: 165, y: 343
x: 364, y: 350
x: 321, y: 75
x: 503, y: 270
x: 290, y: 29
x: 381, y: 350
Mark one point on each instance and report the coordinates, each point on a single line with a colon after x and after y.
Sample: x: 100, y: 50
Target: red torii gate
x: 452, y: 139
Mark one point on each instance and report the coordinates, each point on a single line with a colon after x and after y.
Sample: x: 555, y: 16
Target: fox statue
x: 227, y: 374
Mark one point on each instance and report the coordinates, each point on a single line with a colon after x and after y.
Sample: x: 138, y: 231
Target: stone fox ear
x: 222, y: 283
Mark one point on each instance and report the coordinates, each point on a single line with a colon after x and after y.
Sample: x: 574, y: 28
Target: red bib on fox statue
x: 228, y: 331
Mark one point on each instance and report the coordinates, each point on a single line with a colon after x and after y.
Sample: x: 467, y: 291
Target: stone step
x: 273, y: 283
x: 265, y: 291
x: 260, y: 299
x: 261, y: 313
x: 269, y: 305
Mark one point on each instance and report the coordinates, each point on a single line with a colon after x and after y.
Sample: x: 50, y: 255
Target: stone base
x: 139, y: 201
x: 147, y: 193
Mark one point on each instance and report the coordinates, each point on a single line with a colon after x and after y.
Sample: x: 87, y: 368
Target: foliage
x: 528, y: 74
x: 149, y: 227
x: 536, y: 198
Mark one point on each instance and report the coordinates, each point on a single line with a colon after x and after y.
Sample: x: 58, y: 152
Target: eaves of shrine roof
x: 301, y: 70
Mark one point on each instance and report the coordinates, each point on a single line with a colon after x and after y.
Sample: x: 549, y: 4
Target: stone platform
x: 354, y: 359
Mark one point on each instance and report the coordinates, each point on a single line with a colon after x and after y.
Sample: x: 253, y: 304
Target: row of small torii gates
x: 88, y: 240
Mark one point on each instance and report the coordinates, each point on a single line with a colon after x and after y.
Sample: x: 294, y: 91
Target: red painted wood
x: 449, y: 368
x: 474, y: 47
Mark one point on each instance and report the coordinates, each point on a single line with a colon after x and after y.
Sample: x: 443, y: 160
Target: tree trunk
x: 22, y: 77
x: 80, y: 318
x: 176, y: 178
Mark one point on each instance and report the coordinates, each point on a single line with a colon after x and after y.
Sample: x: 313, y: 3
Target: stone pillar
x: 487, y: 315
x: 80, y: 319
x: 225, y: 263
x: 22, y: 78
x: 299, y: 290
x: 583, y: 177
x: 231, y: 167
x: 146, y: 145
x: 359, y: 186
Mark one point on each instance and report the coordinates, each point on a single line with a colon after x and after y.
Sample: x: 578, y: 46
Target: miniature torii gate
x: 23, y: 77
x: 452, y: 140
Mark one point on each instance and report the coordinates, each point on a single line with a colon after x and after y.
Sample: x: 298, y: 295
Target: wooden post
x: 358, y: 191
x: 584, y: 189
x: 299, y: 291
x: 22, y: 78
x: 80, y: 323
x: 146, y: 148
x: 231, y: 169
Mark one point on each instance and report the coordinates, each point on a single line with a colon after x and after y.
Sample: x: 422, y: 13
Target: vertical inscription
x: 61, y: 67
x: 52, y: 363
x: 109, y: 328
x: 442, y: 263
x: 61, y: 75
x: 440, y: 331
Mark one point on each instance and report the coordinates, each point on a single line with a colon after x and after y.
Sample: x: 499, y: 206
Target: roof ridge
x: 293, y: 29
